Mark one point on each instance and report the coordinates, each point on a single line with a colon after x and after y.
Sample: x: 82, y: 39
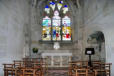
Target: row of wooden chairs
x: 25, y: 67
x: 81, y: 68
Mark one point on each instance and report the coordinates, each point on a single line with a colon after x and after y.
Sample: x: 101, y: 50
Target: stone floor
x: 57, y: 72
x: 64, y: 72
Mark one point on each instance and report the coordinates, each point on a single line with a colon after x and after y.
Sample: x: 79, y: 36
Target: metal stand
x: 89, y: 62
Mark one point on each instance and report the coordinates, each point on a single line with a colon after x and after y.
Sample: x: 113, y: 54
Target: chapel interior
x: 56, y: 37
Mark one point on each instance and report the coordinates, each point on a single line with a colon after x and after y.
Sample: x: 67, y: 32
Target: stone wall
x: 98, y: 16
x: 13, y: 18
x: 21, y: 27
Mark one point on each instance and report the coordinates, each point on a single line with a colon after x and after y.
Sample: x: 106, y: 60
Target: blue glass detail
x: 46, y: 6
x: 65, y: 6
x: 61, y: 2
x: 54, y: 32
x: 52, y: 3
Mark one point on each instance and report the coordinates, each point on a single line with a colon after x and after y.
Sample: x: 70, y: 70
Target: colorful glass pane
x: 66, y: 21
x: 56, y: 22
x: 65, y: 9
x: 46, y: 30
x: 46, y: 21
x: 59, y: 5
x: 52, y: 5
x: 66, y: 37
x: 46, y: 37
x: 47, y: 9
x: 66, y: 33
x: 46, y: 33
x: 56, y: 19
x: 56, y: 33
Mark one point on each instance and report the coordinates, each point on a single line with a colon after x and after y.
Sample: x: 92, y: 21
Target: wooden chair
x: 39, y: 69
x: 18, y: 63
x: 73, y: 66
x: 107, y: 68
x: 9, y: 69
x: 104, y: 70
x: 26, y: 59
x: 39, y: 72
x: 81, y: 72
x: 39, y: 65
x: 27, y: 63
x: 96, y: 64
x: 26, y: 67
x: 28, y: 72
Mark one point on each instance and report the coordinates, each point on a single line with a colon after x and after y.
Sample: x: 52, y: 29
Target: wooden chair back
x: 107, y: 68
x: 9, y: 69
x: 81, y: 72
x: 18, y: 63
x: 96, y: 64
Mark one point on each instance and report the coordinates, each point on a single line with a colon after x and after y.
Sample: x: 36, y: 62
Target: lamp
x: 89, y: 51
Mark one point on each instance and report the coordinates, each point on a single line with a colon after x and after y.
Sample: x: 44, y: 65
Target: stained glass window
x: 56, y: 25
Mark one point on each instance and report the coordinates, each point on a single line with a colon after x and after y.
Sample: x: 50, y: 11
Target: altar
x: 57, y: 59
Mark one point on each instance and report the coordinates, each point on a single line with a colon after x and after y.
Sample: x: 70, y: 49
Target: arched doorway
x: 97, y: 41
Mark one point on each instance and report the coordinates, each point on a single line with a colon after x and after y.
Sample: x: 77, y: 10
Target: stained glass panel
x: 46, y: 30
x: 46, y: 37
x: 56, y: 33
x: 56, y: 22
x: 52, y: 5
x: 46, y: 21
x: 66, y: 21
x: 47, y: 9
x: 66, y: 33
x: 65, y: 9
x: 46, y: 33
x: 59, y: 5
x: 56, y: 19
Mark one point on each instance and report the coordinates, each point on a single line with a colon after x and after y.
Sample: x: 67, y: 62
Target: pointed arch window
x: 56, y: 22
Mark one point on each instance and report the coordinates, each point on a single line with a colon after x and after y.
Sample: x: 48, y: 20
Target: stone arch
x: 97, y: 41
